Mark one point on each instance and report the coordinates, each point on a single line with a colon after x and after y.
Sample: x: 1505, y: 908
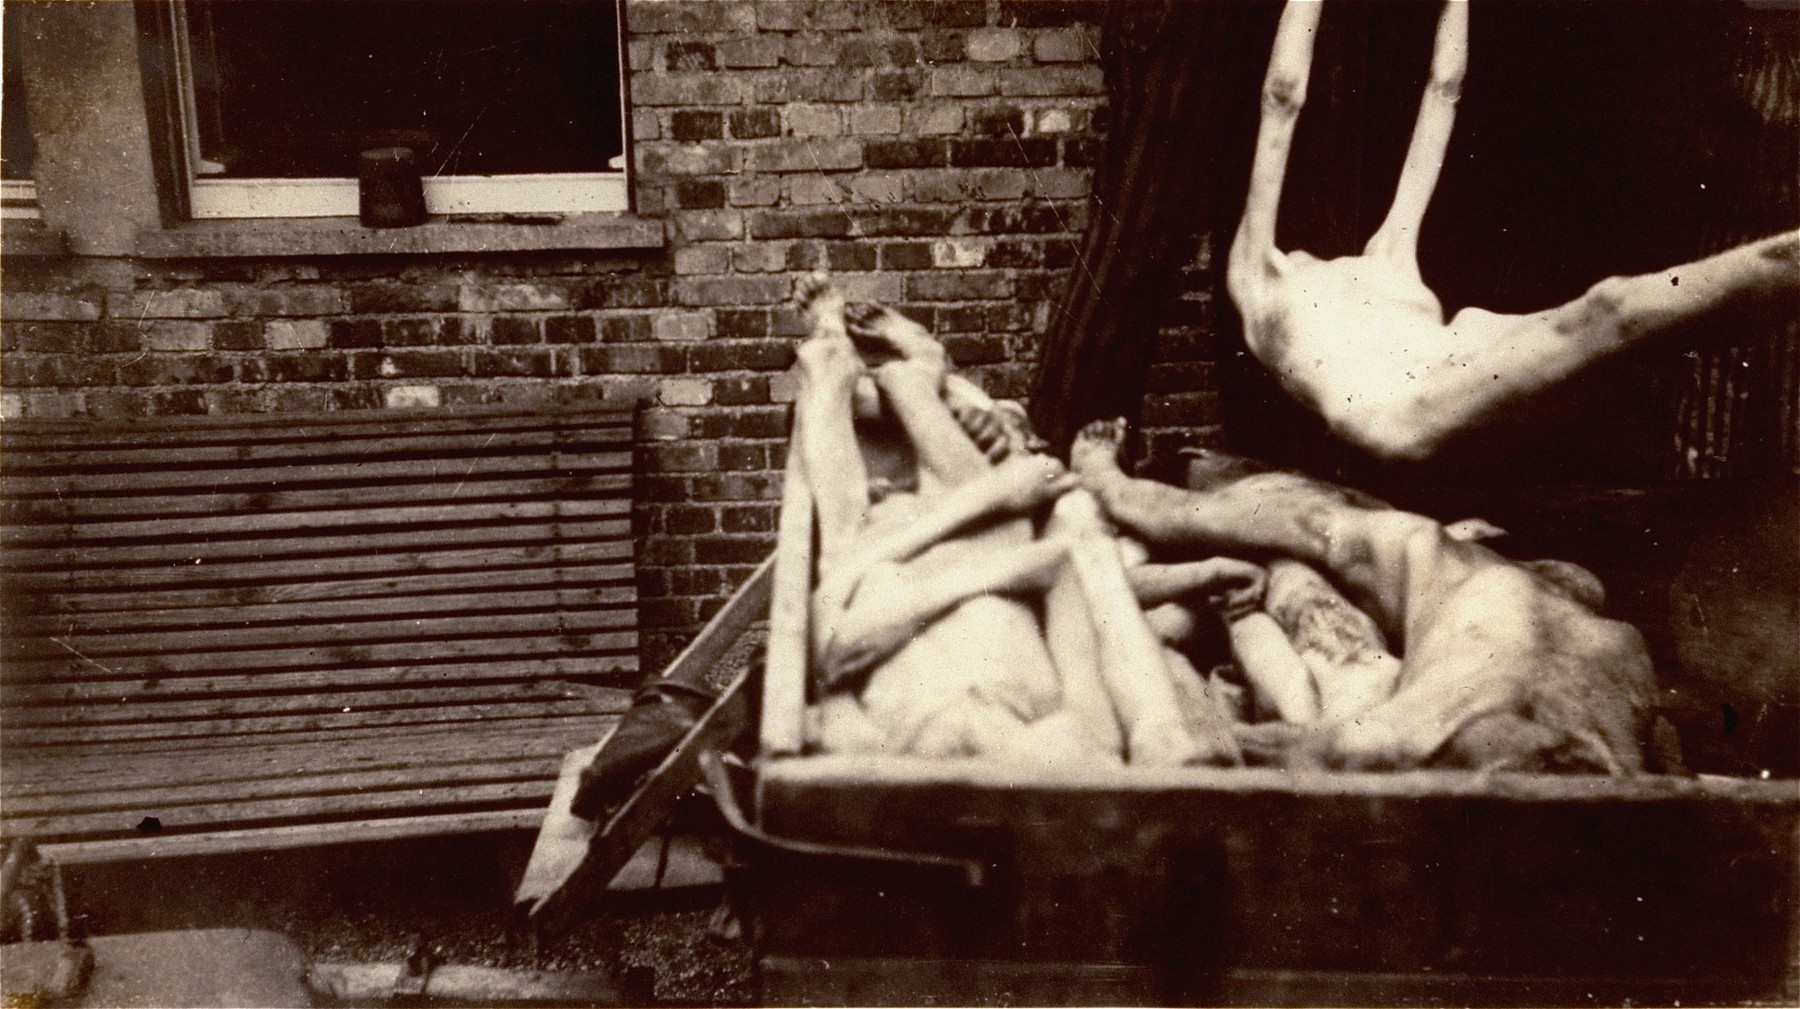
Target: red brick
x: 690, y: 56
x: 744, y: 422
x: 904, y: 221
x: 626, y: 328
x: 747, y: 519
x: 514, y: 329
x: 732, y: 290
x: 741, y: 323
x: 631, y: 358
x: 812, y: 85
x: 301, y: 301
x: 995, y: 45
x: 958, y: 81
x: 1056, y: 80
x: 692, y: 125
x: 742, y: 455
x: 800, y: 154
x: 850, y: 257
x: 907, y: 153
x: 176, y: 336
x: 800, y: 224
x: 1010, y: 152
x: 423, y: 364
x: 709, y: 226
x: 180, y: 303
x: 906, y: 255
x: 384, y: 298
x: 686, y: 89
x: 683, y: 457
x: 896, y: 85
x: 732, y: 550
x: 306, y: 367
x: 878, y: 52
x: 689, y: 16
x: 409, y: 332
x: 806, y: 15
x: 750, y: 390
x: 811, y: 51
x: 755, y: 123
x: 623, y: 292
x: 747, y: 355
x: 51, y: 306
x: 238, y: 336
x: 569, y: 329
x: 965, y: 285
x: 707, y: 158
x: 976, y: 349
x: 956, y: 13
x: 50, y: 337
x: 757, y: 52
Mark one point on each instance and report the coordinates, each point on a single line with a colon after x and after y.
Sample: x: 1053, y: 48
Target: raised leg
x: 1397, y: 240
x: 1069, y: 631
x: 1253, y: 251
x: 823, y: 428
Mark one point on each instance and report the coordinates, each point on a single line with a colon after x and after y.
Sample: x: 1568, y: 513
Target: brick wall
x: 935, y: 155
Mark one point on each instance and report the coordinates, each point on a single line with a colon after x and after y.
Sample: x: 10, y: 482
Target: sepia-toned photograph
x: 566, y: 503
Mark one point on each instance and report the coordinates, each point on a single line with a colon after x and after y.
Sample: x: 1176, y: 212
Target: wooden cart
x: 907, y: 881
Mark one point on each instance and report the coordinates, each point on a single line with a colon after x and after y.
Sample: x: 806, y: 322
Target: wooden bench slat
x: 604, y: 579
x: 396, y: 748
x: 175, y: 792
x: 80, y: 510
x: 227, y: 755
x: 253, y: 571
x: 174, y: 818
x: 548, y: 532
x: 501, y: 649
x: 48, y: 459
x: 427, y: 632
x: 399, y: 471
x: 403, y: 512
x: 99, y: 690
x: 149, y: 708
x: 446, y: 716
x: 389, y: 606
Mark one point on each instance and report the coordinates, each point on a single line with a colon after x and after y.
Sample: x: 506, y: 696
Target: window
x: 512, y: 106
x: 18, y: 193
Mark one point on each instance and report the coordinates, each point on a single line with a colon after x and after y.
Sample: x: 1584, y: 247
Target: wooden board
x: 252, y: 627
x: 1654, y: 881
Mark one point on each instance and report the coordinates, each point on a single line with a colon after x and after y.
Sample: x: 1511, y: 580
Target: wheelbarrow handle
x: 718, y: 781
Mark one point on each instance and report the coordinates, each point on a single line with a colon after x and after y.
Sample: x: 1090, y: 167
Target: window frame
x: 199, y: 197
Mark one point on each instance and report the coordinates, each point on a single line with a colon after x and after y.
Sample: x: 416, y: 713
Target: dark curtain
x: 1170, y: 66
x: 1592, y: 140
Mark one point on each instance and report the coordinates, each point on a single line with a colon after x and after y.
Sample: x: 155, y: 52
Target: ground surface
x: 372, y: 903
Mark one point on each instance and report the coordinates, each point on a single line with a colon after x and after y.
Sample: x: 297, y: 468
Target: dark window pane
x: 16, y: 148
x: 297, y: 88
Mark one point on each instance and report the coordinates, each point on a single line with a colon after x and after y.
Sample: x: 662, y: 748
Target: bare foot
x: 822, y: 303
x: 893, y: 333
x: 1095, y: 452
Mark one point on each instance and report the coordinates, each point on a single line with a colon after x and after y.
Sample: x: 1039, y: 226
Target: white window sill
x: 346, y: 236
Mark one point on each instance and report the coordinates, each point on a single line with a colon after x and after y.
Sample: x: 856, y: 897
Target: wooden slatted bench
x: 231, y: 634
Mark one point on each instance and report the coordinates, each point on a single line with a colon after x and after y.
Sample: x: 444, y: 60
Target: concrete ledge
x: 345, y: 236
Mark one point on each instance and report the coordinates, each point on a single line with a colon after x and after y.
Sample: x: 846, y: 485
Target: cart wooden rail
x: 231, y: 634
